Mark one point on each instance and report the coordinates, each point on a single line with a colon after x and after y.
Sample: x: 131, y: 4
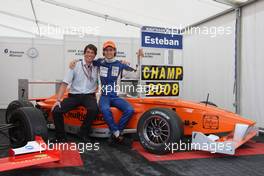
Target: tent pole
x: 32, y: 20
x: 35, y: 16
x: 238, y: 58
x: 19, y: 30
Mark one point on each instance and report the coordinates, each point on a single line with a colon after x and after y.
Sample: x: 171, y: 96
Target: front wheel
x: 159, y: 127
x: 29, y: 122
x: 14, y: 105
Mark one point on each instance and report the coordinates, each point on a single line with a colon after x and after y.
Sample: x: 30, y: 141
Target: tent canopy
x: 17, y: 16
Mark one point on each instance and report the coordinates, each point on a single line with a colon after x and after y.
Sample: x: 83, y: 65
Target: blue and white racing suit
x: 109, y: 73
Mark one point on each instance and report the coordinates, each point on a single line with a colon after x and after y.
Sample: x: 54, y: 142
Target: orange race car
x: 157, y: 121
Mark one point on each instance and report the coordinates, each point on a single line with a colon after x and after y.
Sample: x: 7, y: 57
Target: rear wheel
x: 29, y: 122
x: 14, y: 105
x: 158, y: 128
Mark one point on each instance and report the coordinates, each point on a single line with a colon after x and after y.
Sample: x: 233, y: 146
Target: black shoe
x: 116, y: 140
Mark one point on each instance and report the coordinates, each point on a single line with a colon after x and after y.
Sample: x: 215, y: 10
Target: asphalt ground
x: 123, y: 160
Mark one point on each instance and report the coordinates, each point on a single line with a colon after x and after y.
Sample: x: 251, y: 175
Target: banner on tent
x: 19, y: 53
x: 162, y: 80
x: 75, y: 52
x: 158, y: 72
x: 162, y: 89
x: 156, y: 37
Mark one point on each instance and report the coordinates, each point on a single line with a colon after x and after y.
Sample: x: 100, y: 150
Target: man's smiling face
x: 89, y: 55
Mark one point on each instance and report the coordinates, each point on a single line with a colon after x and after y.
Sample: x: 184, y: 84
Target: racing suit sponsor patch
x: 103, y: 71
x: 115, y: 71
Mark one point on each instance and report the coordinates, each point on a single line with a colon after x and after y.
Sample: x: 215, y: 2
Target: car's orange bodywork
x: 195, y: 116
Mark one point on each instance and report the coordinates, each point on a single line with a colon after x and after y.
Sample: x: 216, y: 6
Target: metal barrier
x: 23, y: 87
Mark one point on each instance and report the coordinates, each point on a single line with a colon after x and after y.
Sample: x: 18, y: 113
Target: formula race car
x: 157, y: 121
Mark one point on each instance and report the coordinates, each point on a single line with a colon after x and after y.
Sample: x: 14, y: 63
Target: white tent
x: 217, y: 62
x: 17, y: 17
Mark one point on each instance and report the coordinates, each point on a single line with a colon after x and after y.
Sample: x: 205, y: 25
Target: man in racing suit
x: 109, y: 71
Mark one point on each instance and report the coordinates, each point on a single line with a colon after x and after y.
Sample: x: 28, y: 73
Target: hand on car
x: 58, y: 103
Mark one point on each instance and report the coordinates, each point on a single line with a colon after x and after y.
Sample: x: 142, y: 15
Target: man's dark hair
x: 91, y: 47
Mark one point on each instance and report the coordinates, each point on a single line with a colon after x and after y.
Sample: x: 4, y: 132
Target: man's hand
x: 73, y: 64
x: 58, y: 103
x: 140, y: 53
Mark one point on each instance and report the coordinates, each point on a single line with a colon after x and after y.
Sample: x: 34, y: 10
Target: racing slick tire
x: 158, y: 128
x: 209, y: 103
x: 14, y: 105
x: 29, y: 122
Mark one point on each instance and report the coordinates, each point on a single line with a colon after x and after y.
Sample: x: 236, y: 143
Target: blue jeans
x: 114, y: 101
